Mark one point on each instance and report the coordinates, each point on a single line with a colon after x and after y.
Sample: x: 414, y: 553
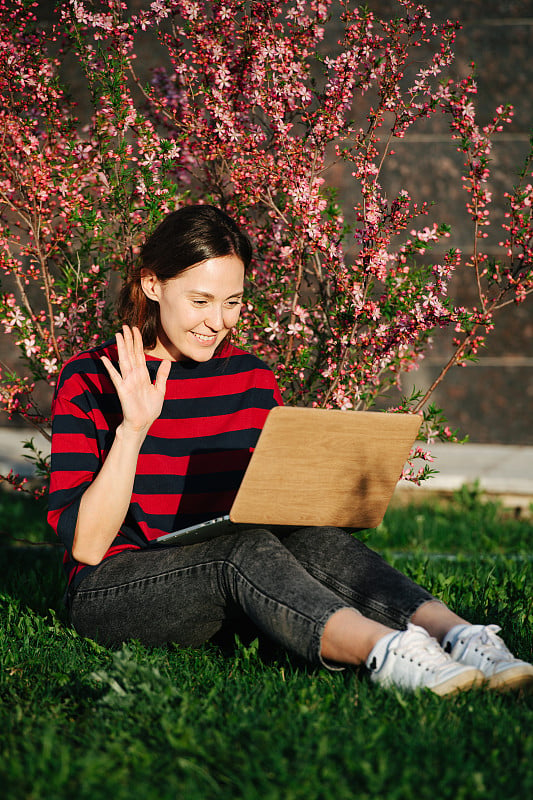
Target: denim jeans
x: 288, y: 586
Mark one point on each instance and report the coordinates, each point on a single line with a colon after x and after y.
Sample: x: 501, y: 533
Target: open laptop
x: 315, y: 466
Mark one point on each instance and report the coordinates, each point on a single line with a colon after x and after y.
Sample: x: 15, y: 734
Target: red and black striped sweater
x: 192, y: 460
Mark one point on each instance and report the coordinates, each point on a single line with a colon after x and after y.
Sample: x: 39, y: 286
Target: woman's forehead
x: 214, y: 273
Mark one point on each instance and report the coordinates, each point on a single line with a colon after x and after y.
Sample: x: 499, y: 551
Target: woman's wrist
x: 130, y: 435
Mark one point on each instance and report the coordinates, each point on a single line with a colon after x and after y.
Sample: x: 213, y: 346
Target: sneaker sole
x: 468, y: 679
x: 512, y: 679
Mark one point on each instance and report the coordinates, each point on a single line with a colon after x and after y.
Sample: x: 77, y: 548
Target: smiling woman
x: 152, y: 432
x: 197, y: 309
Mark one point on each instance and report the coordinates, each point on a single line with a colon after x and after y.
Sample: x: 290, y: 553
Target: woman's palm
x: 141, y: 400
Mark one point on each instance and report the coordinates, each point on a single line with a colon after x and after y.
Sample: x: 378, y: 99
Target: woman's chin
x: 202, y: 355
x: 199, y: 353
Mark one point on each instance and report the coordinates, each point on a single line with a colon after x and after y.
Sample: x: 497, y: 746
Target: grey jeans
x: 288, y: 586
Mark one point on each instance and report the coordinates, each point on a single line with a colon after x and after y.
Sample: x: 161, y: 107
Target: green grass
x: 78, y: 720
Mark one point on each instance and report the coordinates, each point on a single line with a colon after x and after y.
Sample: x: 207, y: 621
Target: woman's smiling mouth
x: 205, y: 337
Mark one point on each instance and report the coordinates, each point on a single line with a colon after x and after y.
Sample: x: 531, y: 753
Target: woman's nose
x: 215, y: 318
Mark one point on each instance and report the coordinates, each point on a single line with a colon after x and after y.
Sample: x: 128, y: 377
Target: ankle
x: 437, y: 619
x: 349, y: 637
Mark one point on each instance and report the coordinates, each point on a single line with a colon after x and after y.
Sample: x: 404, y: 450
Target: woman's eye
x: 200, y: 303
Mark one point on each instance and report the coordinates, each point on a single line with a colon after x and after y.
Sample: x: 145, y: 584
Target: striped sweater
x: 192, y: 460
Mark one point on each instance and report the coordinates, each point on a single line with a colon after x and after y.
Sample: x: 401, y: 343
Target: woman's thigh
x: 155, y: 595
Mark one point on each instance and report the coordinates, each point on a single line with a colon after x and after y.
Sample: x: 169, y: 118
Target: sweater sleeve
x: 76, y: 459
x: 85, y: 413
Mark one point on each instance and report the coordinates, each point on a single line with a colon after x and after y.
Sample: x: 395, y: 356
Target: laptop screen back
x: 325, y: 467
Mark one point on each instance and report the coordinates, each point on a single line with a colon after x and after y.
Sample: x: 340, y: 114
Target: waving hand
x: 141, y: 400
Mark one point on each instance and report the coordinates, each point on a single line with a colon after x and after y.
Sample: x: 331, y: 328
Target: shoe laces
x: 488, y: 644
x: 424, y: 651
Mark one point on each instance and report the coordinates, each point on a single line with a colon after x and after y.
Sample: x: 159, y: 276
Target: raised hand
x: 141, y: 400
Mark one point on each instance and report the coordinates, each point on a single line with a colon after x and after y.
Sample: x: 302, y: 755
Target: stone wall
x: 491, y: 400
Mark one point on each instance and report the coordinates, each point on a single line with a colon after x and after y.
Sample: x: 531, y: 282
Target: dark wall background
x: 490, y: 400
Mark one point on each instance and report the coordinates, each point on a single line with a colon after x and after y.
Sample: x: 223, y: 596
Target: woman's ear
x: 150, y: 284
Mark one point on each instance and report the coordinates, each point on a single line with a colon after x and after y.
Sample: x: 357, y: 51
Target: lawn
x: 78, y: 720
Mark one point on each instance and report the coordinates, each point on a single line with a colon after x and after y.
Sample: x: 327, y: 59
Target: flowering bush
x: 247, y: 114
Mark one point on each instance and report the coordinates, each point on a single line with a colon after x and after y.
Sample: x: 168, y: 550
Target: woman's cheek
x: 233, y: 318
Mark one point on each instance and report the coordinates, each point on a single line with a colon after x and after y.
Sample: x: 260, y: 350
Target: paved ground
x: 503, y: 471
x: 12, y: 450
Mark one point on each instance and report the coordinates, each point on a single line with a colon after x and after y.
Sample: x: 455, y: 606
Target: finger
x: 128, y: 341
x: 134, y: 345
x: 138, y: 347
x: 162, y: 375
x: 123, y: 356
x: 114, y: 374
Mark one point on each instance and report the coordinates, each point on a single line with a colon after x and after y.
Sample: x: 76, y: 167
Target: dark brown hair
x: 184, y: 238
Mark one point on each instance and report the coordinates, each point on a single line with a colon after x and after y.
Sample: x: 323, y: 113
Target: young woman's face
x: 197, y: 309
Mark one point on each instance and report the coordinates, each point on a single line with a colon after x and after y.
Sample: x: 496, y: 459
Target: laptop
x: 314, y: 466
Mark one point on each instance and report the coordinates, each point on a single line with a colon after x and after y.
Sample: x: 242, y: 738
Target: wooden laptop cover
x: 317, y: 466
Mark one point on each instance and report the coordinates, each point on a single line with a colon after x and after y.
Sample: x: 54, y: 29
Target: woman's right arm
x: 105, y: 502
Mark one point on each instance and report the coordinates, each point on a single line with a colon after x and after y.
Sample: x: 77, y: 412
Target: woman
x: 153, y: 432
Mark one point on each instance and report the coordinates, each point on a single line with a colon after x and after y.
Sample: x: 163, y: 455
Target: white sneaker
x: 412, y: 659
x: 479, y: 646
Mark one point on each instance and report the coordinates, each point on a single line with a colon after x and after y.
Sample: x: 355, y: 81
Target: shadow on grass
x: 34, y: 576
x: 31, y: 569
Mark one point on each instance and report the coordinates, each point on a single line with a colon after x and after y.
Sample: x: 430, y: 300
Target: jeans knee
x: 320, y: 541
x: 256, y: 541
